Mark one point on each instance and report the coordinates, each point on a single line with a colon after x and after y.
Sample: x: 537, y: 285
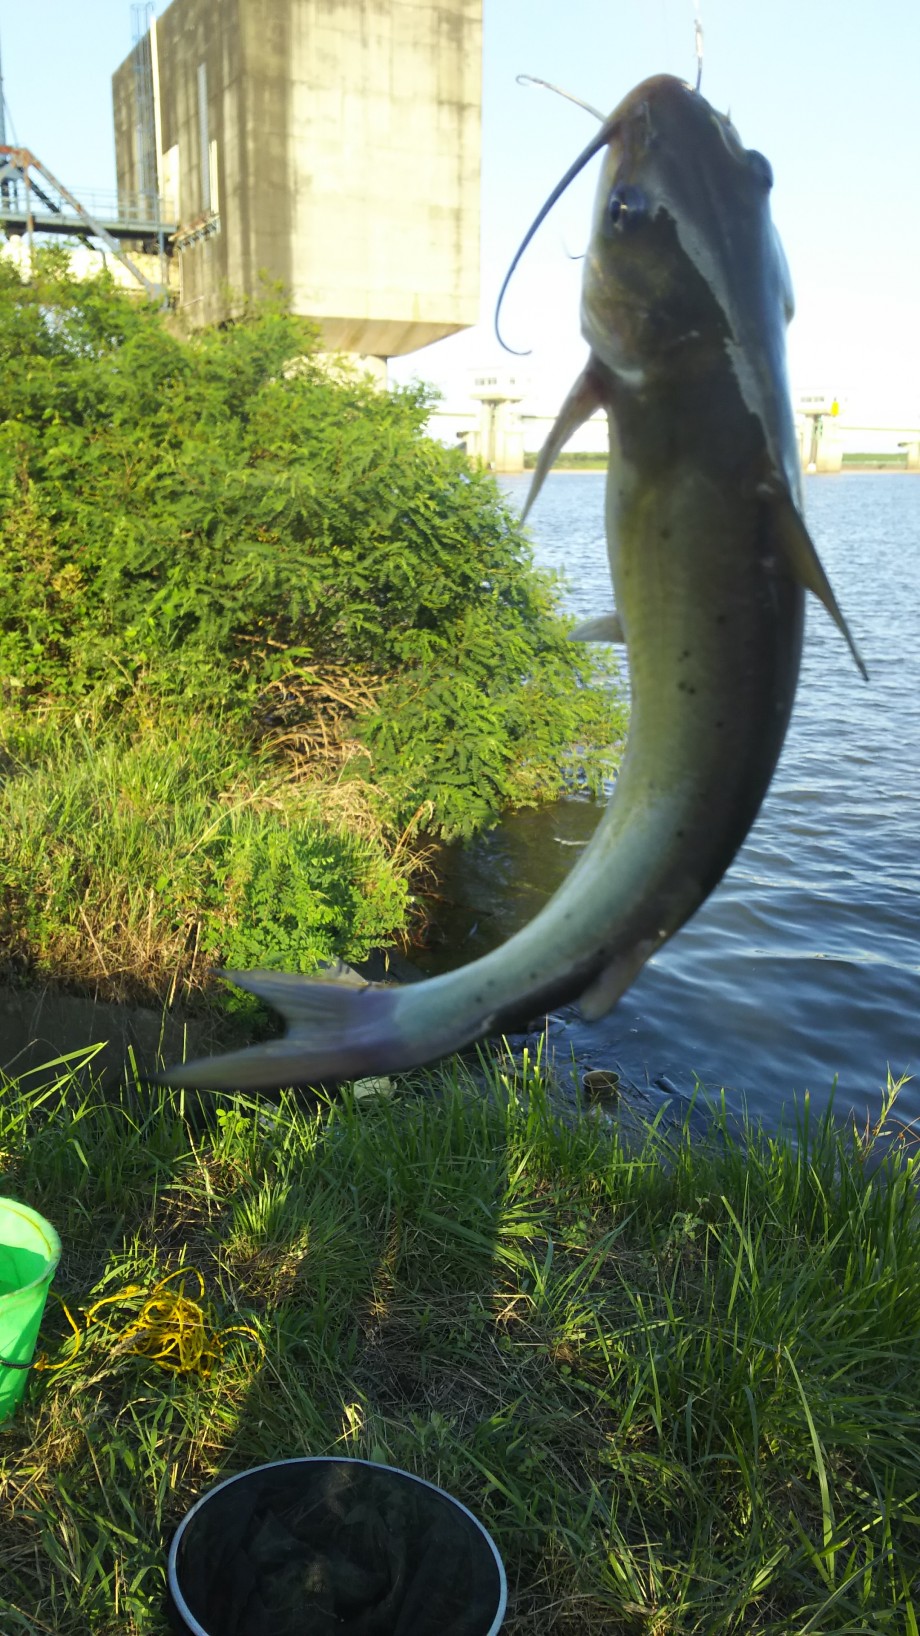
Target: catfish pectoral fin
x: 607, y: 628
x: 336, y: 1030
x: 803, y: 560
x: 584, y: 397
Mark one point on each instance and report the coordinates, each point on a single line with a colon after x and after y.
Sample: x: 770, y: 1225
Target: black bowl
x: 331, y: 1547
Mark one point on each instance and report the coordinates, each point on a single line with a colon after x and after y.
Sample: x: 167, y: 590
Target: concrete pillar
x: 500, y: 440
x: 830, y: 452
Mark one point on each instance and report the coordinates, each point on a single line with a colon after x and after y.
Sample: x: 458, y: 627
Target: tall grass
x: 134, y: 857
x: 682, y: 1394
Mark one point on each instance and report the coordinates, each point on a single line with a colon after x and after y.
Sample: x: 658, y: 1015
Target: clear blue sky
x: 829, y: 91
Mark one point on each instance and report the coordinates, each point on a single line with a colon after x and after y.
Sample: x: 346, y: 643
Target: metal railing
x: 32, y: 200
x: 106, y: 205
x: 109, y: 206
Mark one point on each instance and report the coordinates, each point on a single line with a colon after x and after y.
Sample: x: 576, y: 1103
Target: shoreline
x: 845, y: 471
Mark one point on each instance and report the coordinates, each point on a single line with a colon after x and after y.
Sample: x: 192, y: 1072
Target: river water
x: 803, y: 967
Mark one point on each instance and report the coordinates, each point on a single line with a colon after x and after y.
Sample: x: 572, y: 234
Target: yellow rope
x: 176, y: 1331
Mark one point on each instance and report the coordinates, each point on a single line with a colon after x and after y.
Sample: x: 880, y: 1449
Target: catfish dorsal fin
x: 804, y: 562
x: 585, y: 396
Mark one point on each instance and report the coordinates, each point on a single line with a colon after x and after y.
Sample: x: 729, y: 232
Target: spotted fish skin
x: 685, y: 303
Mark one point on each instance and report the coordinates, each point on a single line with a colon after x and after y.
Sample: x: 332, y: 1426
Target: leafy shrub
x: 305, y: 893
x: 218, y: 522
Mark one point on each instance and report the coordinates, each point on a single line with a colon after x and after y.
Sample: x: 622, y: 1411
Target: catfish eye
x: 760, y: 168
x: 627, y: 206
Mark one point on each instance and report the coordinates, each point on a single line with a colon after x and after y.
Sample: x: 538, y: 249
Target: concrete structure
x: 506, y: 428
x: 503, y: 429
x: 331, y: 145
x: 497, y: 437
x: 832, y: 435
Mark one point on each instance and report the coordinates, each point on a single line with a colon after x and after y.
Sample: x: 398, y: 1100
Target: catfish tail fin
x: 338, y: 1028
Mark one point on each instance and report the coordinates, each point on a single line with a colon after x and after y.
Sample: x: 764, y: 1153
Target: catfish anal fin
x: 602, y: 994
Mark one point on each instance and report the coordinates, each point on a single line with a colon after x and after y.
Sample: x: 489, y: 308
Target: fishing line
x: 531, y: 79
x: 698, y: 42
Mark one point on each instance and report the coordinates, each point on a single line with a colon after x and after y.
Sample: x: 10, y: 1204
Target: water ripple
x: 803, y: 968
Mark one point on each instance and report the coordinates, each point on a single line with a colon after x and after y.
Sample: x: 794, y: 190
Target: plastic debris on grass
x: 178, y: 1331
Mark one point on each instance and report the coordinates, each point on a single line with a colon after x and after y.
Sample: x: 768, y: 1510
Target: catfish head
x: 686, y: 290
x: 683, y: 253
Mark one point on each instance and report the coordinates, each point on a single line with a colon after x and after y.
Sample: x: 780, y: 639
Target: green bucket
x: 29, y: 1252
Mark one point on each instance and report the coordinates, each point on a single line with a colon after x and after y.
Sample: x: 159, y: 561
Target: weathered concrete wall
x: 333, y: 145
x: 201, y: 162
x: 385, y: 118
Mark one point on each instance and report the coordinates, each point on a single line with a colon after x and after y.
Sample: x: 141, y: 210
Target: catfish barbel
x: 685, y: 302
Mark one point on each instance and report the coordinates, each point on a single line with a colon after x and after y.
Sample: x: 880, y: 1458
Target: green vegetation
x: 876, y: 462
x: 573, y: 460
x: 129, y: 860
x: 257, y: 632
x: 678, y: 1386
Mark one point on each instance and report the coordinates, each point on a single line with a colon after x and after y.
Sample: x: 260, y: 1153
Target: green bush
x: 220, y: 524
x: 304, y: 893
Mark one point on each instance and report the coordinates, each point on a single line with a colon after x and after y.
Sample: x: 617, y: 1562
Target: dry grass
x: 313, y: 715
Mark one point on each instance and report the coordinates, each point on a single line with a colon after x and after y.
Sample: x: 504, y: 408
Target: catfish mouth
x: 652, y: 118
x: 682, y: 247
